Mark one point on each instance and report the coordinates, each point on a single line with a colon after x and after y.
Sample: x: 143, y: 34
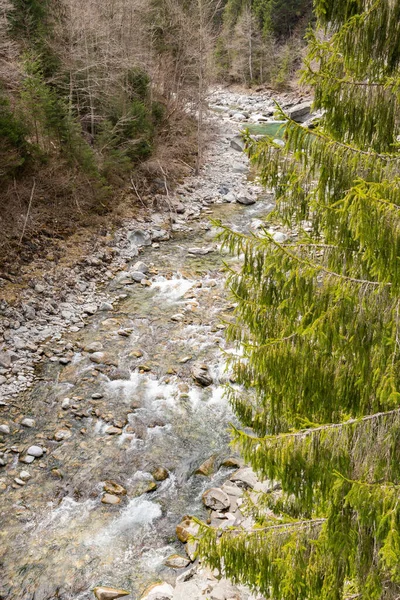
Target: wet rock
x: 246, y: 200
x: 200, y: 375
x: 110, y: 499
x: 27, y: 459
x: 113, y: 430
x: 107, y: 593
x: 28, y: 422
x: 97, y: 396
x: 233, y: 463
x: 245, y: 477
x: 25, y: 476
x: 103, y: 358
x: 117, y: 374
x: 178, y: 317
x: 158, y: 591
x: 35, y: 451
x: 136, y: 354
x: 66, y: 404
x: 200, y: 251
x: 186, y: 529
x: 207, y: 468
x: 216, y: 499
x: 175, y: 561
x: 4, y: 428
x: 111, y: 487
x: 160, y: 474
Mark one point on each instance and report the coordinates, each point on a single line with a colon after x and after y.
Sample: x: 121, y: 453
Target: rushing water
x: 58, y: 540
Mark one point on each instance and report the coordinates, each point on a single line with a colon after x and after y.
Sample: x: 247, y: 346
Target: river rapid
x: 129, y: 401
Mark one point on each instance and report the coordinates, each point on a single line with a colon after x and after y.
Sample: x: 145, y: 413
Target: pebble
x: 113, y: 431
x: 28, y: 422
x: 35, y: 451
x: 24, y: 475
x: 110, y: 499
x: 4, y: 428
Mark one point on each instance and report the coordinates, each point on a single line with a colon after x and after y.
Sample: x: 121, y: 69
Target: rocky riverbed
x: 113, y: 423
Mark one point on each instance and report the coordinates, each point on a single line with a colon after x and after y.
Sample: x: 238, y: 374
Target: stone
x: 110, y: 499
x: 186, y: 529
x: 103, y: 358
x: 25, y: 476
x: 108, y: 593
x: 140, y: 267
x: 27, y: 459
x: 137, y: 276
x: 237, y: 143
x: 232, y: 463
x: 113, y: 431
x: 28, y: 422
x: 4, y: 428
x: 200, y: 251
x: 160, y: 474
x: 201, y: 376
x: 93, y: 347
x: 111, y: 487
x: 216, y: 499
x: 35, y: 451
x: 245, y: 477
x: 117, y: 374
x: 66, y: 404
x: 105, y: 306
x: 207, y: 468
x: 158, y: 591
x: 175, y: 561
x: 139, y: 237
x: 5, y: 360
x: 300, y: 112
x: 90, y: 309
x: 246, y: 200
x: 62, y: 434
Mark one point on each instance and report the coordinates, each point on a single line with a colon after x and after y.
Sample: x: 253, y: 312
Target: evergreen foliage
x: 317, y: 331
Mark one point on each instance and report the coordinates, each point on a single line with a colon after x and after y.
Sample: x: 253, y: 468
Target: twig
x: 29, y: 209
x: 137, y: 193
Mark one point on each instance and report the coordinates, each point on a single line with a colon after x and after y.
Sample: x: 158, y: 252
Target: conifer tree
x: 317, y: 326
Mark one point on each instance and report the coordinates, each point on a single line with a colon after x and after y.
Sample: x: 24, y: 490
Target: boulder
x: 245, y: 477
x: 111, y: 487
x: 108, y: 593
x: 139, y: 237
x: 175, y: 561
x: 137, y: 276
x: 158, y: 591
x: 186, y: 529
x: 300, y: 112
x: 201, y: 375
x: 140, y: 267
x: 246, y: 200
x: 207, y: 468
x: 216, y: 499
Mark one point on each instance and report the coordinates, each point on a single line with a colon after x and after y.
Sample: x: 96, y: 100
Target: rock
x: 25, y: 476
x: 66, y: 404
x: 186, y: 529
x: 160, y: 474
x: 230, y: 197
x: 200, y: 251
x: 201, y: 376
x: 232, y: 463
x: 158, y: 591
x: 175, y: 561
x: 246, y: 200
x: 160, y: 235
x: 113, y: 430
x: 105, y: 306
x: 35, y: 451
x: 111, y: 487
x: 237, y: 143
x: 178, y: 317
x: 139, y: 237
x: 140, y: 267
x: 28, y: 422
x: 117, y: 374
x: 245, y: 477
x: 62, y: 434
x: 110, y: 499
x: 5, y: 360
x: 107, y: 593
x: 191, y: 549
x: 93, y: 347
x: 103, y: 358
x: 207, y: 468
x: 186, y: 575
x: 216, y: 499
x: 239, y: 116
x: 300, y: 112
x: 27, y: 459
x: 90, y: 309
x: 137, y: 276
x: 4, y: 428
x: 239, y: 168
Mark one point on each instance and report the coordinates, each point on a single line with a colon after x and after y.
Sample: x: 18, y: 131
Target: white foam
x: 172, y: 289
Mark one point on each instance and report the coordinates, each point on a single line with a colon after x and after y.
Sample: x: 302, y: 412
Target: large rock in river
x: 107, y: 593
x: 216, y: 499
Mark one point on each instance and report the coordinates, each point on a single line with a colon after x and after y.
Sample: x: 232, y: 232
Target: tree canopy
x: 317, y: 330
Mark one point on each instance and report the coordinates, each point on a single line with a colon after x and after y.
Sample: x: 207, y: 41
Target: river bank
x: 111, y: 371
